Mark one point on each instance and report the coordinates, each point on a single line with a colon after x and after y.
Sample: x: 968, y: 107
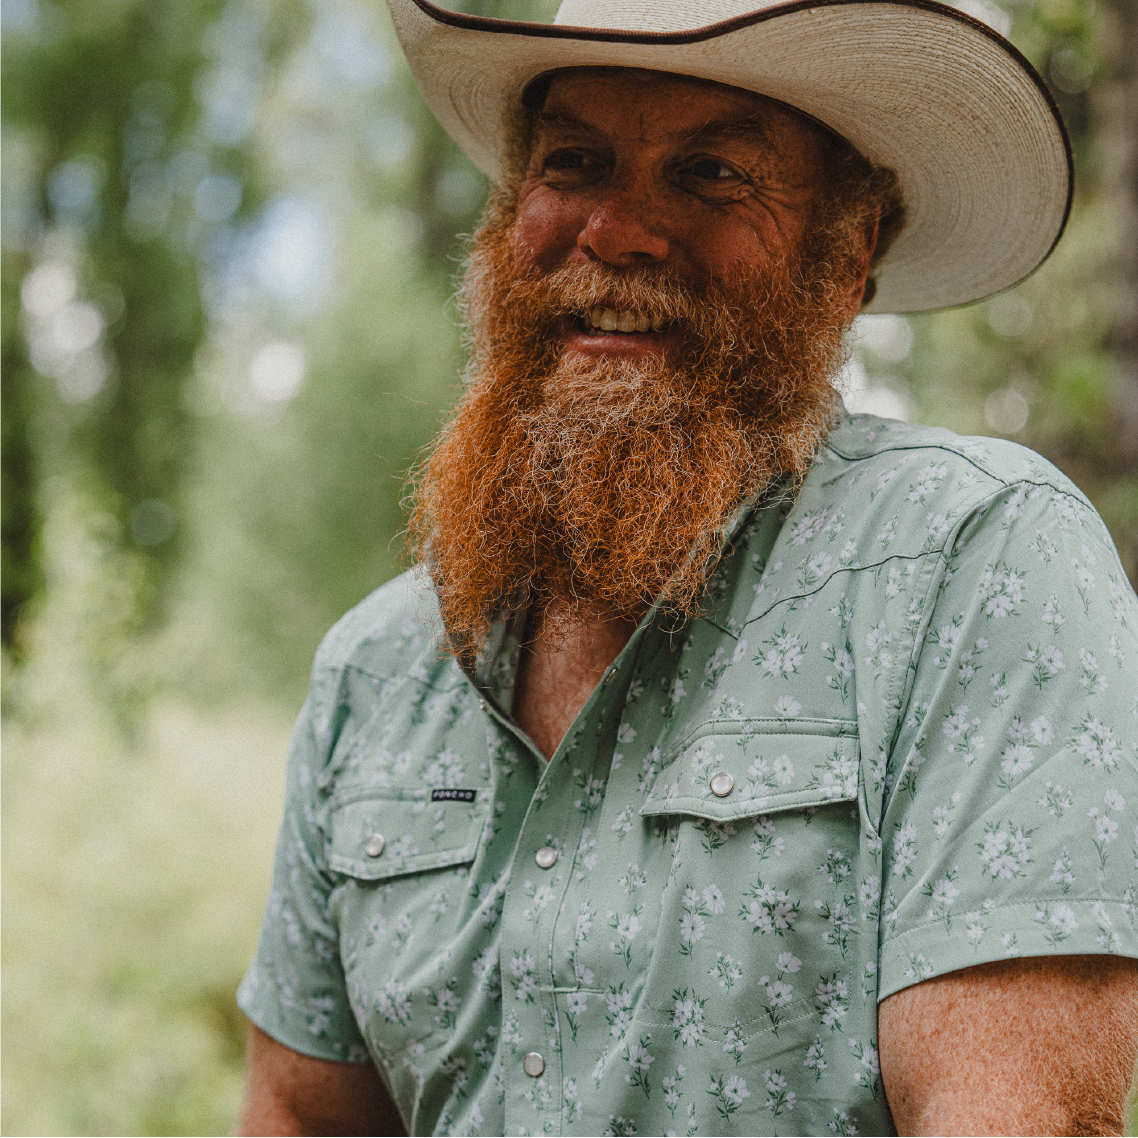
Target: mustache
x: 573, y: 290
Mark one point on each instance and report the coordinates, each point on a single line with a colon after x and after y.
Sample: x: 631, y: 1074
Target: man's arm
x: 290, y: 1093
x: 1042, y: 1045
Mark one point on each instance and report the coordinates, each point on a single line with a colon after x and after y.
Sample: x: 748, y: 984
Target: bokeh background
x: 230, y: 234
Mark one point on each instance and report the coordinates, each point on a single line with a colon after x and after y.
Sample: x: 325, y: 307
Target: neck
x: 566, y: 654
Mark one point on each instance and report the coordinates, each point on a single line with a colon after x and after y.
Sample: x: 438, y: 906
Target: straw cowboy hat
x: 964, y: 120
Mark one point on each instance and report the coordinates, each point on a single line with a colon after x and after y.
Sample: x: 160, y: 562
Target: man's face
x: 661, y: 172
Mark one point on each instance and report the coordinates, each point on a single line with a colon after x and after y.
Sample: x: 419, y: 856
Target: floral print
x: 899, y: 741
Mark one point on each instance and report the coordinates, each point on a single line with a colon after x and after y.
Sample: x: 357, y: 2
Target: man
x: 733, y: 765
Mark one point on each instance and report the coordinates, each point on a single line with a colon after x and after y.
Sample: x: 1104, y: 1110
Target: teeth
x: 607, y: 320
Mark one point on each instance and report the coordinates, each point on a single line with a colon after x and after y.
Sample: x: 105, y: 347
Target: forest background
x: 230, y: 234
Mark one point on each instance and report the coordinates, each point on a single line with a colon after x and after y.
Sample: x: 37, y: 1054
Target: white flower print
x: 1001, y: 590
x: 942, y: 815
x: 961, y: 727
x: 812, y: 569
x: 1056, y: 799
x: 783, y: 770
x: 525, y: 983
x: 1061, y: 875
x: 816, y: 1057
x: 928, y: 481
x: 832, y: 998
x: 1046, y: 663
x: 626, y: 926
x: 726, y: 970
x: 904, y: 849
x: 783, y: 656
x: 939, y: 528
x: 787, y: 706
x: 941, y: 893
x: 687, y: 1018
x: 765, y: 840
x: 1005, y: 850
x: 1017, y: 760
x: 843, y: 661
x: 618, y: 1003
x: 1106, y: 831
x: 1058, y: 922
x: 729, y: 1093
x: 445, y: 771
x: 734, y: 1043
x: 1108, y: 940
x: 639, y: 1060
x: 1092, y: 679
x: 876, y: 642
x: 1053, y: 612
x: 713, y: 899
x: 838, y: 778
x: 1097, y: 744
x: 770, y: 910
x: 393, y: 1003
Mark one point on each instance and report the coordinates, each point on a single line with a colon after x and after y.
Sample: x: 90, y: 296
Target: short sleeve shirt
x: 898, y: 741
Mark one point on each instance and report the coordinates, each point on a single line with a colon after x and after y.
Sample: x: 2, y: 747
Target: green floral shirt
x: 899, y: 741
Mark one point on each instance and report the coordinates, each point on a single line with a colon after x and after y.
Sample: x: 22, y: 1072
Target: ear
x: 871, y: 227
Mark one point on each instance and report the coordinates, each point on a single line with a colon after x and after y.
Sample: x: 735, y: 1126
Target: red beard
x: 603, y: 482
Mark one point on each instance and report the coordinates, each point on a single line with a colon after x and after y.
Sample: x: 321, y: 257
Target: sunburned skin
x: 641, y: 168
x: 561, y: 667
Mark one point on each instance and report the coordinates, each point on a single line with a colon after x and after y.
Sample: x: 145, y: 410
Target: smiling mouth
x: 599, y: 321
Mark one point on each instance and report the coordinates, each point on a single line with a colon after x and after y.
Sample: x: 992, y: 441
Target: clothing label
x: 453, y: 795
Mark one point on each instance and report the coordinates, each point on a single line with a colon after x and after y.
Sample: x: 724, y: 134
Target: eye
x: 566, y: 160
x: 709, y: 170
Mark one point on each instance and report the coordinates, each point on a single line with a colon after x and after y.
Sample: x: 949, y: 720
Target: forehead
x: 634, y: 103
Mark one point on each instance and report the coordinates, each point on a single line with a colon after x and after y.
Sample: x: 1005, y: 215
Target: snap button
x: 546, y: 857
x: 373, y: 847
x: 533, y: 1064
x: 722, y: 784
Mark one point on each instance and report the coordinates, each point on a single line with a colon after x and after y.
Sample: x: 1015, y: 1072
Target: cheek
x: 546, y: 230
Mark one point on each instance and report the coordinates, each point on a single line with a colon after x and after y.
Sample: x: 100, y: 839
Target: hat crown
x: 652, y: 15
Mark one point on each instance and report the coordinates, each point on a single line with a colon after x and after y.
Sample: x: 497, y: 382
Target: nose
x: 620, y: 230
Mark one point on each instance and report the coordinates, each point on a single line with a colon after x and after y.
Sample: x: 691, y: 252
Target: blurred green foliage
x: 229, y: 241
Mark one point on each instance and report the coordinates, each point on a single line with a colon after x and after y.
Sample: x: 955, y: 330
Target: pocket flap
x: 377, y: 834
x: 742, y: 767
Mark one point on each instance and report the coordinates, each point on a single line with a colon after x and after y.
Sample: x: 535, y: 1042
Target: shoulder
x: 386, y: 632
x: 915, y: 485
x: 865, y: 442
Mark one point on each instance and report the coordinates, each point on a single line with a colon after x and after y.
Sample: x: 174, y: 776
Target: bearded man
x: 730, y: 764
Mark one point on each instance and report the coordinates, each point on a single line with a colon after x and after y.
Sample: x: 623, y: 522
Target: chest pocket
x: 731, y: 769
x: 377, y: 834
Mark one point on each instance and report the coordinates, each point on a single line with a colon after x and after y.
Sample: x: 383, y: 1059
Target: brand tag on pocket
x: 450, y: 795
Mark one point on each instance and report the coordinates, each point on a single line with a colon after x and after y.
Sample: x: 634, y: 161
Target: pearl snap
x: 533, y: 1064
x: 373, y: 847
x: 546, y: 857
x: 722, y: 784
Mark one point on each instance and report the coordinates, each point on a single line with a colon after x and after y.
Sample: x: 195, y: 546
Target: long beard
x: 603, y: 484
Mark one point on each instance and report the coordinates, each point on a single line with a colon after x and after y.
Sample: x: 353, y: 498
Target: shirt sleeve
x: 1009, y: 824
x: 294, y: 989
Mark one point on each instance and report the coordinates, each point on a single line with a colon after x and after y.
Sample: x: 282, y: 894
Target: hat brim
x: 976, y: 141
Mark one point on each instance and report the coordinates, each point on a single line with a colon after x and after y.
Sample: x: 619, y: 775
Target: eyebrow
x: 749, y: 130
